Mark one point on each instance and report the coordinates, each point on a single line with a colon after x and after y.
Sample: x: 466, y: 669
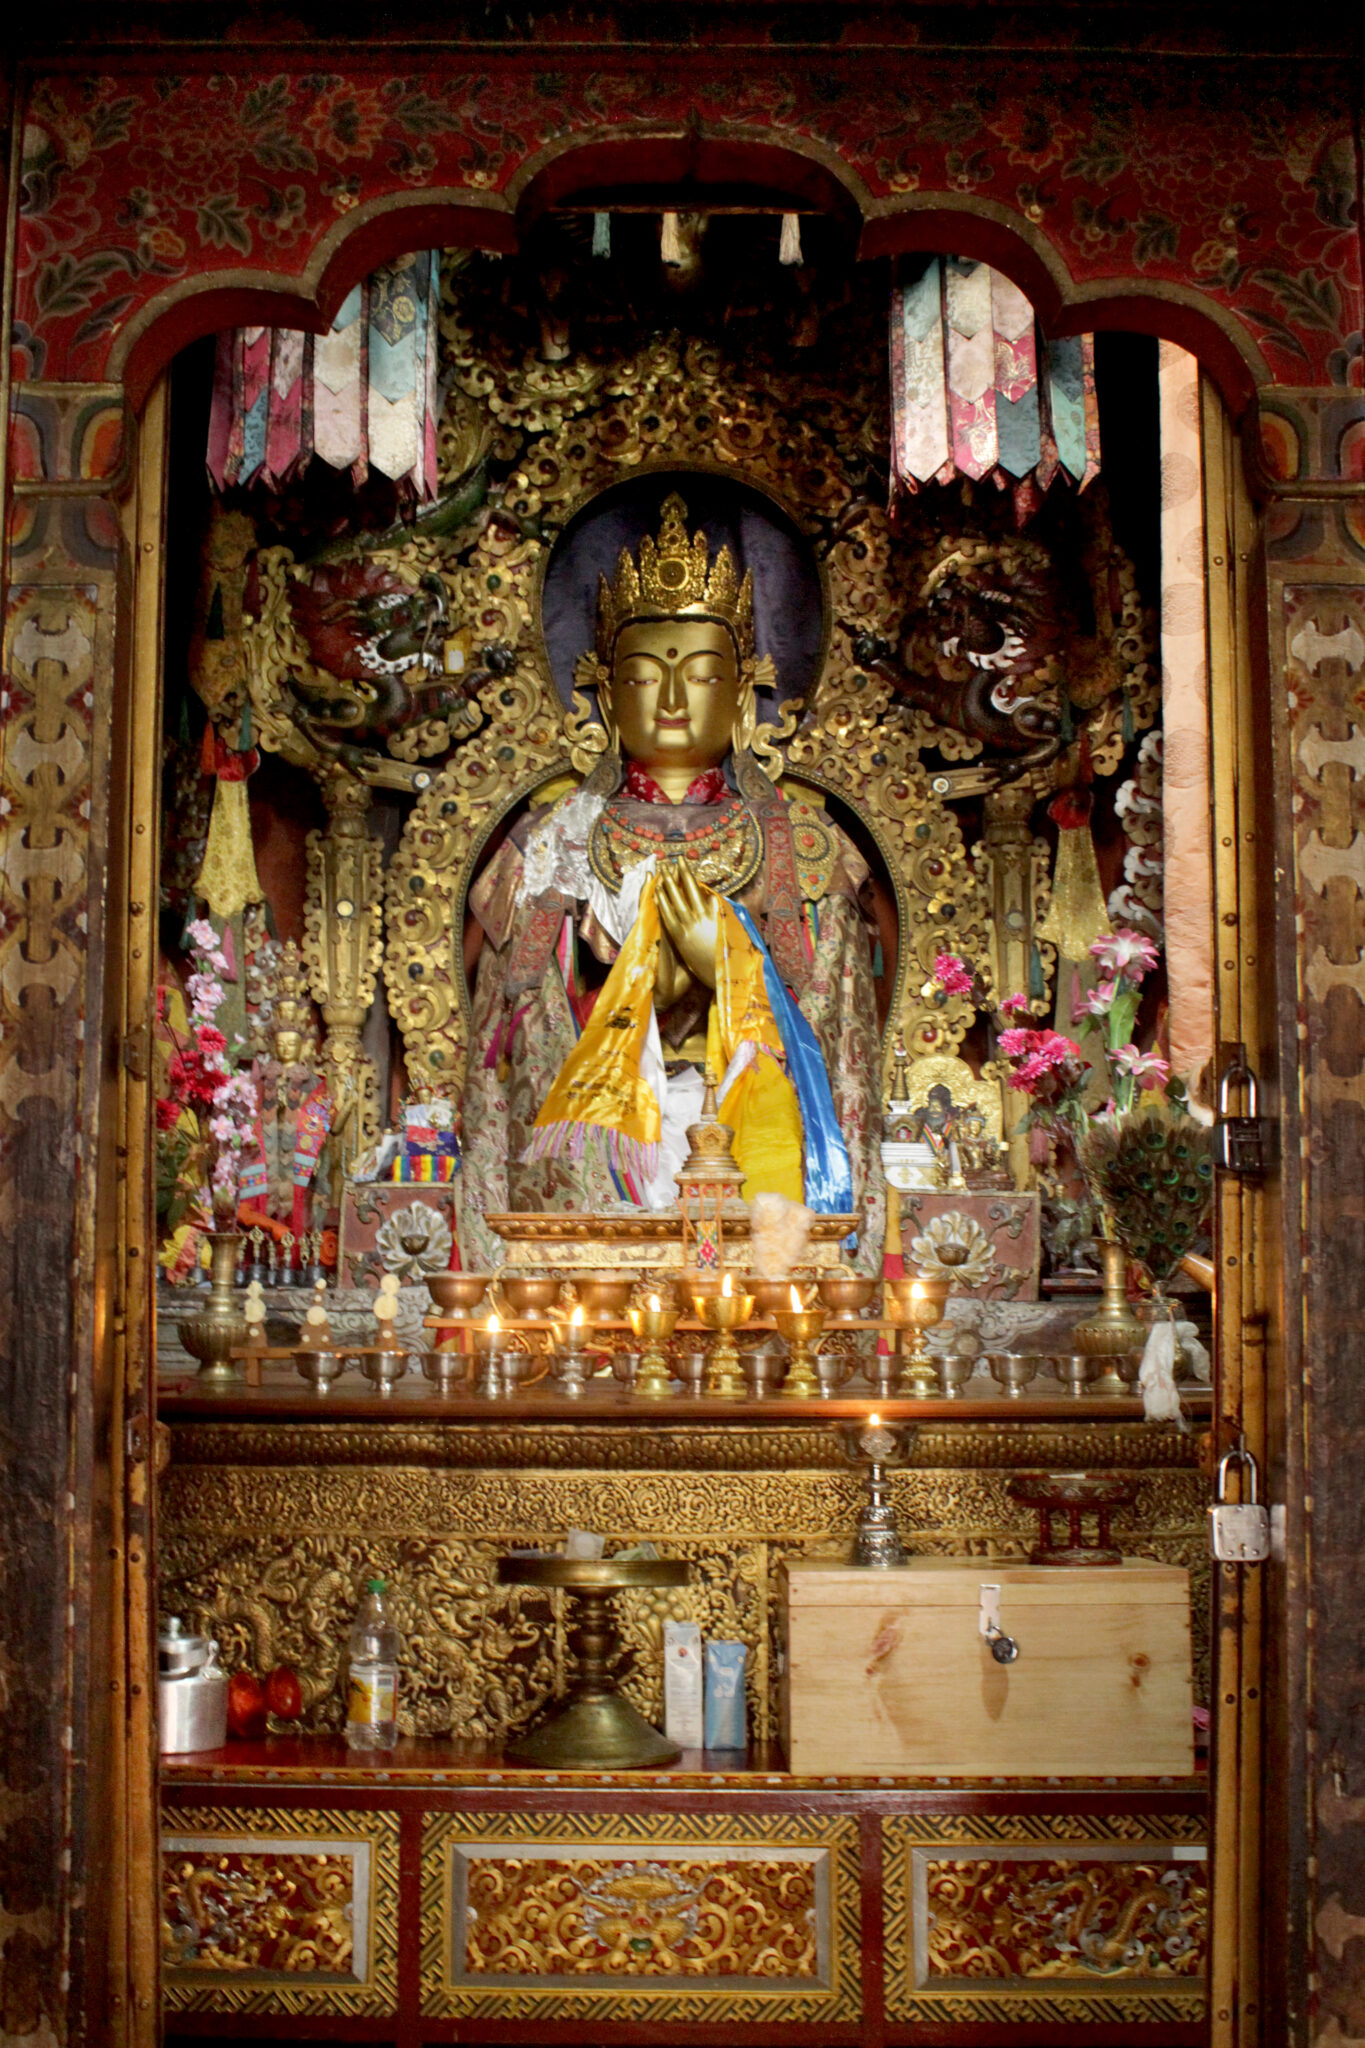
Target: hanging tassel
x: 601, y: 234
x: 789, y: 248
x: 670, y: 242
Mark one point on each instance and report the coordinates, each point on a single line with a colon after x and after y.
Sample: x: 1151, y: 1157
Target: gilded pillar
x: 342, y: 944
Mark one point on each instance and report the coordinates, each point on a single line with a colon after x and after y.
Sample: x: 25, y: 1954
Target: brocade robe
x: 529, y: 1001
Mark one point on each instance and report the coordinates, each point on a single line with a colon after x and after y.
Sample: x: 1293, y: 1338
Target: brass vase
x: 1113, y: 1332
x: 219, y: 1328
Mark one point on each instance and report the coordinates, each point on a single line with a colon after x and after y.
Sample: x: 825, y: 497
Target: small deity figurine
x: 295, y: 1104
x: 937, y: 1123
x: 675, y: 911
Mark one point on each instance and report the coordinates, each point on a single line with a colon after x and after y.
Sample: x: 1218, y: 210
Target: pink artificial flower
x: 1147, y: 1068
x: 1017, y: 1003
x: 1097, y: 1003
x: 205, y: 994
x: 1015, y: 1042
x: 953, y: 975
x: 1129, y: 954
x: 201, y: 935
x: 222, y: 1128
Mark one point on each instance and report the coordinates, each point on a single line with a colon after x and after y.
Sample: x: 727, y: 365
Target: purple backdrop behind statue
x: 788, y: 603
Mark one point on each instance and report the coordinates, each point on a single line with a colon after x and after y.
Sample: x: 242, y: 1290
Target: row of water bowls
x: 843, y: 1298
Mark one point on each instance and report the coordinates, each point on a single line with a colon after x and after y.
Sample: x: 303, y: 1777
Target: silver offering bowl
x: 446, y: 1369
x: 1012, y: 1371
x: 954, y: 1372
x: 320, y: 1368
x: 383, y: 1368
x: 1075, y: 1371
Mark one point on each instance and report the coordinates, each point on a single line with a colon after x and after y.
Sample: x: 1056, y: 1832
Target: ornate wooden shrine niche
x: 413, y: 671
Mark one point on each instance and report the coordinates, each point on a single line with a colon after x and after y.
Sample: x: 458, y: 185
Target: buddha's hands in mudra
x: 690, y: 915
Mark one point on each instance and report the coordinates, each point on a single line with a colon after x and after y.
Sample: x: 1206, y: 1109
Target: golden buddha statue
x: 675, y: 911
x: 295, y: 1108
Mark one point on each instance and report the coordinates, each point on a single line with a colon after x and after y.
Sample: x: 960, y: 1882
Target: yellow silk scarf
x: 600, y: 1084
x: 760, y: 1104
x: 601, y: 1088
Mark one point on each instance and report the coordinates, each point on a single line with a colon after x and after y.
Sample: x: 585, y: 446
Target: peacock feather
x: 1152, y: 1169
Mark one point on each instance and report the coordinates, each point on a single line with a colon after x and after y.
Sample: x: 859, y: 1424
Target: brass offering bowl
x: 723, y: 1313
x: 1012, y: 1372
x: 319, y: 1368
x: 653, y: 1327
x: 603, y: 1295
x: 770, y: 1295
x: 457, y: 1294
x: 846, y: 1295
x: 529, y: 1300
x: 595, y: 1729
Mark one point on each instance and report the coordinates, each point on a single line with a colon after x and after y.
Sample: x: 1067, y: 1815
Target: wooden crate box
x: 887, y: 1671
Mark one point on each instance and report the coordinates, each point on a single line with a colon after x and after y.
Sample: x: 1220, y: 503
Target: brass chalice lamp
x: 917, y: 1303
x: 724, y: 1313
x: 653, y: 1326
x: 802, y: 1328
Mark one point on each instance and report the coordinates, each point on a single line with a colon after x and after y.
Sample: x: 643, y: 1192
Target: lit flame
x: 796, y: 1301
x: 725, y: 1287
x: 917, y: 1292
x: 874, y: 1421
x: 494, y: 1327
x: 576, y: 1318
x: 654, y: 1304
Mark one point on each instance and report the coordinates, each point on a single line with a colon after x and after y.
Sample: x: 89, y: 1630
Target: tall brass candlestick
x: 653, y: 1326
x: 724, y: 1313
x: 802, y: 1328
x: 917, y: 1304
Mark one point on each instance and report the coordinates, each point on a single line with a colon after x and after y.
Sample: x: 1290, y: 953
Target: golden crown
x: 673, y: 579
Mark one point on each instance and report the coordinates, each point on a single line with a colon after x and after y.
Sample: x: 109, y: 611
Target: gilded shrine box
x: 891, y: 1670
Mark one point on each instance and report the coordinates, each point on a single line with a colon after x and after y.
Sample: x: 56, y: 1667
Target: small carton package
x: 682, y: 1684
x: 725, y: 1723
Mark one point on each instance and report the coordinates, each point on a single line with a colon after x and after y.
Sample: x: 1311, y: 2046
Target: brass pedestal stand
x: 595, y: 1729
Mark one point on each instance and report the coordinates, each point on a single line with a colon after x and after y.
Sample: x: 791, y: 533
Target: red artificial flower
x: 211, y: 1039
x: 167, y: 1113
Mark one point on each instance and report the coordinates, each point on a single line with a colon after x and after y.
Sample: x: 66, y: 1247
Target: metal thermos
x: 191, y: 1691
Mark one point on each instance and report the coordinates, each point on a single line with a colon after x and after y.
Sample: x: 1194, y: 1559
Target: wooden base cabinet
x: 429, y: 1901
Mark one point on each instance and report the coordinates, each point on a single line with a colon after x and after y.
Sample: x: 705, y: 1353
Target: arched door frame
x: 1258, y: 1349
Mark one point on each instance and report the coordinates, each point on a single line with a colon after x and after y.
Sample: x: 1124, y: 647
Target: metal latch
x: 1004, y: 1649
x: 1241, y: 1144
x: 1239, y: 1530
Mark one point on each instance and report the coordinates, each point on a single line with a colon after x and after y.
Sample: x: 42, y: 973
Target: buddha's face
x: 288, y: 1047
x: 675, y: 688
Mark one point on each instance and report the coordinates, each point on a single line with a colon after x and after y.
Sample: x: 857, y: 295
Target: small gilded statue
x: 295, y: 1109
x: 675, y: 911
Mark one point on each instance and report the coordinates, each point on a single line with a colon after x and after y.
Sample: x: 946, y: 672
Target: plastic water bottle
x: 372, y: 1677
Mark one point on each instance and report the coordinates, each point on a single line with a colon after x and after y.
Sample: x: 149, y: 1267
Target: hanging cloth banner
x: 977, y: 392
x: 362, y: 397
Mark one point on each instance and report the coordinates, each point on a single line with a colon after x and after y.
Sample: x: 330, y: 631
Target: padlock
x: 1003, y: 1648
x: 1240, y: 1143
x: 1240, y: 1530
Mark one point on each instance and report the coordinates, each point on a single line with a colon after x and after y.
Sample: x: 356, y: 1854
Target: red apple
x: 283, y: 1693
x: 246, y: 1707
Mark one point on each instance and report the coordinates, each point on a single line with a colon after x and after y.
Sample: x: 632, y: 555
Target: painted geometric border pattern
x: 907, y: 2003
x: 375, y: 1998
x: 651, y: 1834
